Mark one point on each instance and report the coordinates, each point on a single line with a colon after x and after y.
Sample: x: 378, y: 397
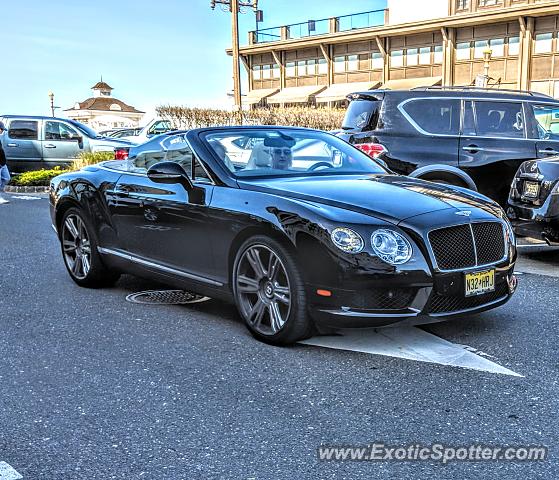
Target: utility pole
x: 234, y: 6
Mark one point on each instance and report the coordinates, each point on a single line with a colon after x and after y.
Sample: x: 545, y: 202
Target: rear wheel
x: 79, y: 251
x: 270, y: 292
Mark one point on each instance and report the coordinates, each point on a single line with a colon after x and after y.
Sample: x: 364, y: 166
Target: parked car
x: 470, y: 137
x: 33, y: 143
x: 154, y: 127
x: 534, y: 200
x: 120, y: 132
x: 337, y: 243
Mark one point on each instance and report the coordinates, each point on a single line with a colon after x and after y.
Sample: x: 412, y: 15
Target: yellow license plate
x: 479, y: 283
x: 531, y: 189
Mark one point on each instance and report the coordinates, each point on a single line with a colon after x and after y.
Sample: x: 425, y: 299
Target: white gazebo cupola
x: 101, y: 89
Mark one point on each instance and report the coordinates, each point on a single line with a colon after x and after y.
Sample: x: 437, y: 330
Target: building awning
x: 295, y: 94
x: 407, y: 83
x: 339, y: 91
x: 256, y: 96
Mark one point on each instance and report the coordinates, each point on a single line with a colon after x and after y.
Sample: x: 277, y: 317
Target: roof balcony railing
x: 324, y: 26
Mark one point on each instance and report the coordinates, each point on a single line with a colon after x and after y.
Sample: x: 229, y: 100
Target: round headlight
x: 347, y: 240
x: 390, y: 246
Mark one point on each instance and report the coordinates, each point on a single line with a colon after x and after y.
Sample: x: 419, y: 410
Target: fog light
x: 513, y: 283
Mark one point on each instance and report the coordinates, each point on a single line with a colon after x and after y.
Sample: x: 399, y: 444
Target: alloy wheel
x: 76, y: 246
x: 263, y: 289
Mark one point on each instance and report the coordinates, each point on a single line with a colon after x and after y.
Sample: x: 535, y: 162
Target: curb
x: 15, y: 189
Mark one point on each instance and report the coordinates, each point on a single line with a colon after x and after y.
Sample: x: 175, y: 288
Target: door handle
x: 472, y: 149
x: 49, y: 145
x: 12, y: 145
x: 548, y: 151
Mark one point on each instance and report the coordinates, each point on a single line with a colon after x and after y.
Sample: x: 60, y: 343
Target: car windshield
x: 84, y: 129
x: 268, y: 152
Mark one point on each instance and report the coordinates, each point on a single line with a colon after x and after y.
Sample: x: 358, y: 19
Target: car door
x: 60, y: 144
x: 543, y: 127
x: 22, y: 145
x: 434, y: 140
x: 162, y: 223
x: 493, y: 144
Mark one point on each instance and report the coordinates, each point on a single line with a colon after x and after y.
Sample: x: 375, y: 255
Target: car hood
x: 113, y: 142
x: 392, y: 198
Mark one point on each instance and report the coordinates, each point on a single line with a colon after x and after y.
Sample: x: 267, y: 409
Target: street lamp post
x: 234, y: 6
x: 51, y: 96
x: 486, y: 59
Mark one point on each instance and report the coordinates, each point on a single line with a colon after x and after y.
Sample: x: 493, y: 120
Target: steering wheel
x: 312, y: 168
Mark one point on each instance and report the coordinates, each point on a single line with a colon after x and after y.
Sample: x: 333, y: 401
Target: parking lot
x: 94, y: 386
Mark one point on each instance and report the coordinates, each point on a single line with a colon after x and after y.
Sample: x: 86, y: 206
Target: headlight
x: 347, y: 240
x: 391, y: 247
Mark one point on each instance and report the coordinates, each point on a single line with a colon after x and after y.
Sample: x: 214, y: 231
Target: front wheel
x: 270, y: 292
x: 79, y: 251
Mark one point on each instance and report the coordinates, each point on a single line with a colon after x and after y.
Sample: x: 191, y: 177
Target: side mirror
x: 77, y: 138
x: 169, y: 172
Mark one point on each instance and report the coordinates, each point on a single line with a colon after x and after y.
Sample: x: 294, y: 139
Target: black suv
x: 470, y: 137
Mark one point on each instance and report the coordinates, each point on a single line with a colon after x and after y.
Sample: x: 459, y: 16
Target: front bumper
x: 407, y: 304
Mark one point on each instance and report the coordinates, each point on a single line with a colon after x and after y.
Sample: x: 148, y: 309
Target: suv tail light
x: 121, y: 153
x: 371, y: 149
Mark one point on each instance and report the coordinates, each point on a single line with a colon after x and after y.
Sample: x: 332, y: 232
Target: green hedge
x: 36, y: 178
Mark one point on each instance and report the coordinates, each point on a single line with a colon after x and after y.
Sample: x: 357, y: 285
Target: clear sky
x: 151, y: 52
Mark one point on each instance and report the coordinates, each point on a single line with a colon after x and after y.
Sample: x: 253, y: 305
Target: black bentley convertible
x: 297, y: 227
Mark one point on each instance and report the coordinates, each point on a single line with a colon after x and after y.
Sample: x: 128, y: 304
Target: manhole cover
x: 165, y: 297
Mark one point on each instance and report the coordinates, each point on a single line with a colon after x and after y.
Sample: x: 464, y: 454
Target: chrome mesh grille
x: 465, y: 246
x: 455, y: 303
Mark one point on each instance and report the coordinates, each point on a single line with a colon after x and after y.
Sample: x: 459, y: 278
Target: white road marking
x: 409, y: 343
x: 26, y: 197
x: 7, y: 472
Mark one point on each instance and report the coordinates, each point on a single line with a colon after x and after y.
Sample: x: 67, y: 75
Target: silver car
x: 33, y: 142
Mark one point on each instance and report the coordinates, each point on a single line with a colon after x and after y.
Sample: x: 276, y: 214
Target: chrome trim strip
x: 163, y: 268
x: 474, y: 243
x: 406, y: 313
x: 475, y: 267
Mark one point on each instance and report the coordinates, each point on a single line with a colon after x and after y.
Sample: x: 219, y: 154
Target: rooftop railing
x: 324, y: 26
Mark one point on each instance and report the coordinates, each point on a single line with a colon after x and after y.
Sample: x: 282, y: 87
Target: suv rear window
x: 362, y: 114
x: 434, y: 115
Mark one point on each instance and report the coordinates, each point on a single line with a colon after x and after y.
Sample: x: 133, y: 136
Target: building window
x: 322, y: 66
x: 301, y: 68
x: 266, y: 72
x: 290, y: 69
x: 514, y: 45
x: 463, y: 5
x: 488, y: 3
x: 311, y: 67
x: 463, y: 51
x: 438, y: 55
x: 353, y: 62
x: 257, y: 72
x: 376, y: 60
x: 479, y: 48
x: 275, y: 71
x: 339, y: 64
x: 424, y: 55
x: 411, y: 57
x: 543, y: 43
x: 397, y: 58
x: 497, y: 46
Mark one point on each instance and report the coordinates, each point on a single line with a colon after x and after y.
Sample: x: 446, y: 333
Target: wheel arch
x: 62, y: 207
x: 444, y: 172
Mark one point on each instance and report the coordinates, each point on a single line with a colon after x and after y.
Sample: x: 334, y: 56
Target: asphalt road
x: 95, y: 387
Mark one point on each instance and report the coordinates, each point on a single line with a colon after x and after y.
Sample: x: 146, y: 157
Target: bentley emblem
x: 534, y: 167
x: 464, y: 213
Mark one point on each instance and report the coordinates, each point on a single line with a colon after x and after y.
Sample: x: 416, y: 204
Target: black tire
x: 261, y: 297
x: 79, y: 252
